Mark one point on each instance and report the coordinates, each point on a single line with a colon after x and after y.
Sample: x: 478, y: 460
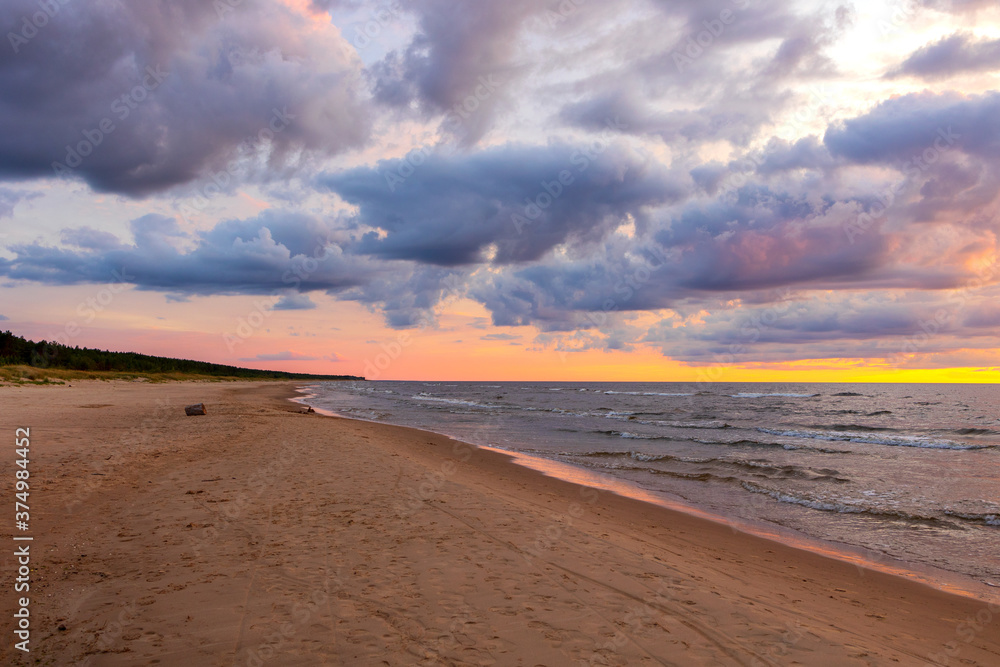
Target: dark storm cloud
x: 952, y: 55
x: 761, y: 240
x: 449, y: 211
x: 245, y: 257
x: 148, y: 95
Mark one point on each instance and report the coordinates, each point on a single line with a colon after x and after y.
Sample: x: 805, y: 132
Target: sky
x: 693, y: 190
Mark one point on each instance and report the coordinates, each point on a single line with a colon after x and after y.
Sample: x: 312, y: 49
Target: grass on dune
x: 30, y: 375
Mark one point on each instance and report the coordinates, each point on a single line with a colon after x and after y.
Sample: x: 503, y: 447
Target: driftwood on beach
x: 194, y: 410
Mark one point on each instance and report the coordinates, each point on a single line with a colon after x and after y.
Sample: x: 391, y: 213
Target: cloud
x: 453, y: 211
x: 135, y: 98
x: 826, y: 326
x: 686, y: 78
x: 734, y: 122
x: 271, y: 253
x: 761, y: 240
x: 455, y: 56
x: 900, y: 130
x: 11, y: 198
x: 959, y: 6
x: 500, y: 337
x: 952, y: 55
x: 281, y: 356
x: 294, y: 302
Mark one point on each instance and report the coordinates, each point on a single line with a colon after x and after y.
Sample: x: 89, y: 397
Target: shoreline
x: 948, y: 581
x: 261, y: 535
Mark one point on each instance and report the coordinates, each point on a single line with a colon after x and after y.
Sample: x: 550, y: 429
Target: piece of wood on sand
x: 194, y: 410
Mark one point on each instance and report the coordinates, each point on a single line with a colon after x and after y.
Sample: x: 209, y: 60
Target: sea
x: 902, y: 477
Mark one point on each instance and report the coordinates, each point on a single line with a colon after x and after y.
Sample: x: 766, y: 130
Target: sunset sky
x: 508, y: 189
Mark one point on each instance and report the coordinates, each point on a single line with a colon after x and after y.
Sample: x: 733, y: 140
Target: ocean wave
x: 608, y: 413
x: 986, y: 519
x: 632, y: 436
x: 840, y: 506
x: 691, y: 476
x: 711, y: 425
x: 637, y: 456
x: 869, y: 439
x: 745, y: 394
x: 842, y: 428
x: 746, y: 442
x: 635, y: 436
x: 452, y: 401
x: 976, y: 431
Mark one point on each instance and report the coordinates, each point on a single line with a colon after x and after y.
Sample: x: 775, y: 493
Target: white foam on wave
x: 712, y: 425
x: 746, y: 394
x: 614, y: 414
x: 451, y: 401
x: 646, y: 393
x: 872, y: 439
x: 635, y: 436
x: 812, y: 503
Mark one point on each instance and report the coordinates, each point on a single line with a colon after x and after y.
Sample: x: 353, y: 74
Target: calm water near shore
x: 911, y: 472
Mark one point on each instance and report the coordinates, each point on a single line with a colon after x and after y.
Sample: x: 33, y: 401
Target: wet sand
x: 258, y: 535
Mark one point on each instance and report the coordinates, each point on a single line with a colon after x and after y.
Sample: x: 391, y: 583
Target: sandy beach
x: 260, y: 535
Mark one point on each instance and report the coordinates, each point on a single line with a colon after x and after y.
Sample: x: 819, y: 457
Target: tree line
x: 18, y: 351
